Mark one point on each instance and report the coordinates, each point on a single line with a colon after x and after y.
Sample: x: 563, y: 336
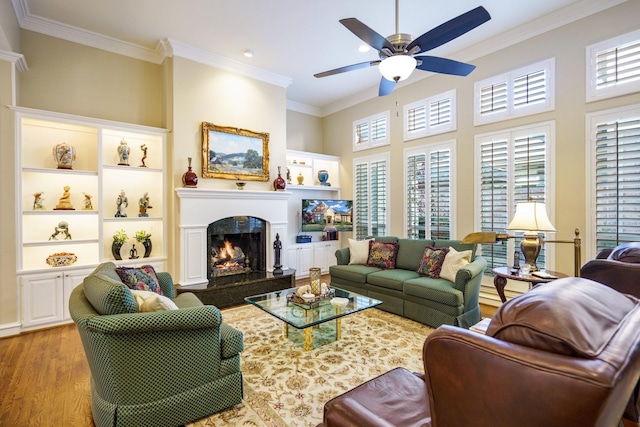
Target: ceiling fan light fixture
x: 397, y: 68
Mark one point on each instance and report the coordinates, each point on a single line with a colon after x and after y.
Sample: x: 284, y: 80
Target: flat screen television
x: 316, y: 211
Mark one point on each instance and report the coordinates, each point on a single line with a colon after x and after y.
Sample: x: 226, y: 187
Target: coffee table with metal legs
x: 304, y: 319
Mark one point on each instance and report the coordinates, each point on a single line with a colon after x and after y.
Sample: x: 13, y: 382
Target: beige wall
x: 567, y: 44
x: 304, y: 132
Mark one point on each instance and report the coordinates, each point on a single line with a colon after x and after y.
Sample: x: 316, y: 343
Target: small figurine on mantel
x: 277, y: 247
x: 143, y: 204
x: 123, y: 153
x: 121, y: 202
x: 64, y: 204
x: 143, y: 147
x: 38, y: 200
x: 88, y: 206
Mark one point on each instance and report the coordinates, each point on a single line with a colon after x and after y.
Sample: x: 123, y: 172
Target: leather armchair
x: 618, y: 268
x: 566, y: 353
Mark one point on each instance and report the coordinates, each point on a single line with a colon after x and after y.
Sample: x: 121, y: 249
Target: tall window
x: 521, y: 92
x: 430, y: 116
x: 614, y: 151
x: 429, y: 191
x: 371, y: 132
x: 613, y: 67
x: 371, y: 189
x: 512, y: 167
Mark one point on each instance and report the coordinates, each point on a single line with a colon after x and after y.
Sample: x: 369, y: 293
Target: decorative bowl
x: 240, y: 185
x: 308, y: 297
x: 340, y: 302
x: 61, y: 259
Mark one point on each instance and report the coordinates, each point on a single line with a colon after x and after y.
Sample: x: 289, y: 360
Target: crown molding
x: 16, y: 58
x: 304, y: 108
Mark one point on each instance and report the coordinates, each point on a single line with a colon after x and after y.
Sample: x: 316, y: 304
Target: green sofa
x: 403, y: 291
x: 162, y: 368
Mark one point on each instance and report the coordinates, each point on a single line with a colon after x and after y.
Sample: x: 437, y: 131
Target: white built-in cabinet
x: 324, y: 254
x: 95, y: 175
x: 303, y: 256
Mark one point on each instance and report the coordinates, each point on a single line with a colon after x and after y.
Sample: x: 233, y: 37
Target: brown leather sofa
x: 618, y: 268
x: 566, y: 353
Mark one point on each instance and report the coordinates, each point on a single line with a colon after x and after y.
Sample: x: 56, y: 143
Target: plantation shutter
x: 620, y: 64
x: 494, y: 197
x: 379, y: 198
x: 379, y: 129
x: 417, y: 119
x: 617, y: 175
x: 416, y: 196
x: 440, y: 112
x: 493, y: 98
x: 440, y: 194
x: 361, y: 202
x: 362, y: 133
x: 529, y: 88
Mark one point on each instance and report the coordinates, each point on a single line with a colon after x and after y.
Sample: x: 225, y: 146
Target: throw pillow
x: 431, y: 262
x: 150, y: 301
x: 358, y: 251
x: 453, y: 262
x: 382, y: 255
x: 142, y: 279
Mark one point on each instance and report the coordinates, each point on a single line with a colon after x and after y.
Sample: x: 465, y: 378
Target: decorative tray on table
x: 308, y: 304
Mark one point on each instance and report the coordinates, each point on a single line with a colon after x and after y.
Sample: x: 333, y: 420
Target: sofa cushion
x: 353, y: 273
x: 627, y: 252
x: 453, y: 262
x: 358, y: 251
x: 382, y: 255
x: 150, y: 301
x: 431, y: 262
x: 438, y: 290
x: 572, y: 316
x: 140, y: 278
x: 410, y: 253
x: 391, y: 279
x: 107, y: 295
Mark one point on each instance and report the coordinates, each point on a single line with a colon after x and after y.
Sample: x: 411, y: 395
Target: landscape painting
x: 233, y: 153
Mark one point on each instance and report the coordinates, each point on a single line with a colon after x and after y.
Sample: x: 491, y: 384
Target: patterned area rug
x: 286, y: 387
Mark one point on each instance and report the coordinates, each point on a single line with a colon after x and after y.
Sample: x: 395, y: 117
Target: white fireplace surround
x: 199, y: 207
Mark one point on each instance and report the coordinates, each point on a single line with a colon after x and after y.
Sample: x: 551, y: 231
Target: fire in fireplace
x: 236, y: 245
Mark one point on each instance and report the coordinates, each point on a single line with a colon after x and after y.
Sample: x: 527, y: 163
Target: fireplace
x: 236, y: 245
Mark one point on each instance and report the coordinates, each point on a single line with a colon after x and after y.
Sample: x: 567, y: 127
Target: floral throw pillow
x: 382, y: 255
x: 432, y: 261
x: 141, y: 279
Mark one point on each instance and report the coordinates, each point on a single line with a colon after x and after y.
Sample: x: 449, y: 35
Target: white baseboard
x: 10, y: 329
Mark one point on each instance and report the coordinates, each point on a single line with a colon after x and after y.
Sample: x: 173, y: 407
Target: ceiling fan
x: 397, y: 52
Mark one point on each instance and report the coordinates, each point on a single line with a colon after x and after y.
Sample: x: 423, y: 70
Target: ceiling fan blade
x: 450, y: 30
x: 366, y: 34
x: 348, y: 68
x: 386, y: 87
x: 443, y: 65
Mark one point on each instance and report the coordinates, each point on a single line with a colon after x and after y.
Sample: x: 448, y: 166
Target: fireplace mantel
x: 198, y: 207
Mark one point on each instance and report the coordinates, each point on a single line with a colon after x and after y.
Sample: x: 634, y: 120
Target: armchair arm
x: 166, y: 284
x: 342, y: 256
x: 469, y: 374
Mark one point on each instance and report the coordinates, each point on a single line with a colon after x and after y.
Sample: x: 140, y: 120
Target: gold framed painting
x: 233, y: 153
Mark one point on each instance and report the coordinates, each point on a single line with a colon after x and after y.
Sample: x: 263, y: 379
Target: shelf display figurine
x: 143, y: 204
x: 87, y: 205
x: 288, y: 176
x: 123, y: 153
x: 64, y: 204
x: 63, y: 227
x: 121, y: 204
x: 300, y: 178
x: 133, y: 253
x: 37, y: 201
x: 143, y: 147
x: 64, y: 155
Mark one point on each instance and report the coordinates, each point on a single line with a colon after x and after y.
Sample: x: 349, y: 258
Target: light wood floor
x: 44, y: 379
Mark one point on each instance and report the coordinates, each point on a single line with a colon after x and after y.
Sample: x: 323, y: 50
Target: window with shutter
x: 428, y: 191
x: 614, y: 147
x: 525, y: 91
x: 513, y: 166
x: 371, y: 183
x: 371, y: 132
x: 430, y: 116
x: 614, y: 67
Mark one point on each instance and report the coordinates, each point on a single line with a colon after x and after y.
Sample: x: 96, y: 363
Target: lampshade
x: 531, y: 216
x: 397, y: 67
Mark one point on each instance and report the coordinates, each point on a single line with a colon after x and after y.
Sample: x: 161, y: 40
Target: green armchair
x: 163, y: 368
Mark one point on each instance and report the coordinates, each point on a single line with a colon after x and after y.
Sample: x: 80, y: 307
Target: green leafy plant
x: 142, y: 236
x: 120, y: 236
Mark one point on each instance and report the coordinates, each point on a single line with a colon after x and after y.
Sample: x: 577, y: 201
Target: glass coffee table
x: 301, y: 320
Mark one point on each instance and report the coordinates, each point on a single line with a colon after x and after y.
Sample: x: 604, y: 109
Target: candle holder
x: 314, y: 278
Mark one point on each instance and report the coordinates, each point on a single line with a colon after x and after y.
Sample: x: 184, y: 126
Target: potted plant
x: 119, y: 237
x: 143, y: 237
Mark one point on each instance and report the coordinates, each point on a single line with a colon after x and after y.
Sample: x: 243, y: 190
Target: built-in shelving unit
x: 307, y: 165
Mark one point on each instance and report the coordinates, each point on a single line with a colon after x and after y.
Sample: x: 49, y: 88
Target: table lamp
x: 531, y: 217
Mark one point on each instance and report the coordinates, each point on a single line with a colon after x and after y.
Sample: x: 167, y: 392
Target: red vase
x: 189, y: 178
x: 279, y: 184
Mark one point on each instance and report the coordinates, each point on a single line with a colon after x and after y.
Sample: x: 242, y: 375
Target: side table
x: 504, y: 273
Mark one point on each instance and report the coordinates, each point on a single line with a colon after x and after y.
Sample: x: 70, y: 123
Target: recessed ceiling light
x: 363, y: 48
x: 248, y: 53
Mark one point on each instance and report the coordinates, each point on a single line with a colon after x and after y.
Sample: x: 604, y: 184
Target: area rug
x: 287, y: 387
